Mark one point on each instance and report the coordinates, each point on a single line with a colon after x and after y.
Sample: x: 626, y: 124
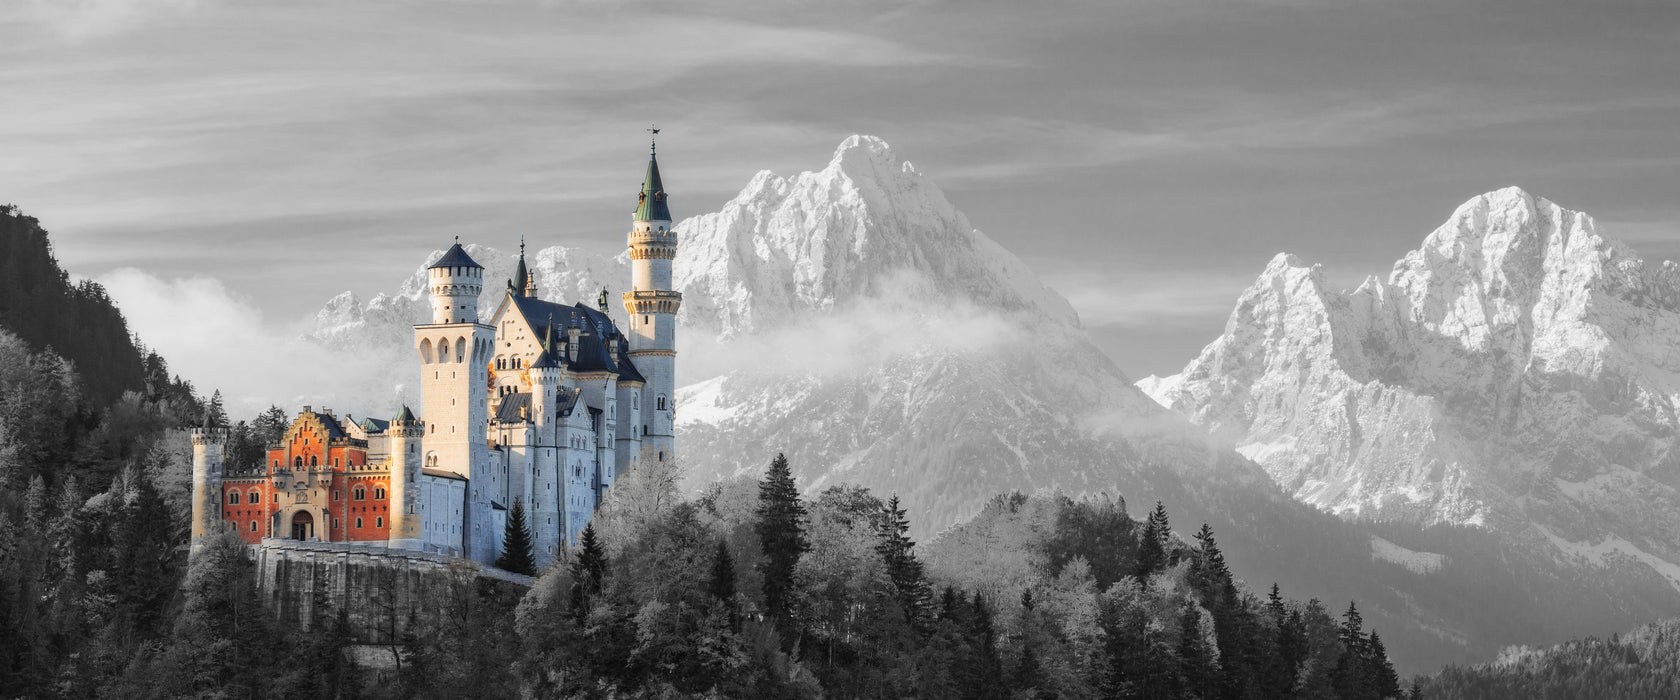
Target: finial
x: 653, y: 142
x: 457, y: 240
x: 521, y: 245
x: 603, y: 301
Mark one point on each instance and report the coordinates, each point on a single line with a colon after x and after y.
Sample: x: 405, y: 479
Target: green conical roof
x: 650, y: 204
x: 403, y: 416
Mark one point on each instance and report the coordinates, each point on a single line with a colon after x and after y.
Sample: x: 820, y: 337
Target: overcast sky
x: 1146, y: 158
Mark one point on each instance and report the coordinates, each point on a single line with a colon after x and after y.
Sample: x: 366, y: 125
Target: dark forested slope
x: 40, y: 304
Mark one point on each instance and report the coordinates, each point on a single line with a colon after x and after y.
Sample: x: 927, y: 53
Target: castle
x: 543, y: 404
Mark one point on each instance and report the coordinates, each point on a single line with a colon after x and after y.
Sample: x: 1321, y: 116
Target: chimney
x: 308, y: 409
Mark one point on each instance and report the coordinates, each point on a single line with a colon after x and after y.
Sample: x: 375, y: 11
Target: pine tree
x: 1152, y: 552
x: 516, y: 543
x: 722, y: 583
x: 1352, y: 676
x: 588, y: 570
x: 1385, y: 681
x: 896, y: 550
x: 215, y: 414
x: 781, y: 531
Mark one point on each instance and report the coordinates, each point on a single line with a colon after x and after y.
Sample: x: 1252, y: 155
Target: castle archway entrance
x: 303, y: 525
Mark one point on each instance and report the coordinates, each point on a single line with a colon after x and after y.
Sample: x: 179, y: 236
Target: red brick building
x: 317, y: 484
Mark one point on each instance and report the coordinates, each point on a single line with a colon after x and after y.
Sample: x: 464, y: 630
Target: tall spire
x: 650, y: 204
x: 524, y: 284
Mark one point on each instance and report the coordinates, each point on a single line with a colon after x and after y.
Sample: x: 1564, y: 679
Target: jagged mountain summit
x: 852, y: 318
x: 1519, y: 372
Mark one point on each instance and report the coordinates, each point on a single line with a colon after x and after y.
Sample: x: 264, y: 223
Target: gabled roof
x: 456, y: 256
x: 374, y: 425
x: 514, y: 408
x: 567, y: 399
x: 650, y: 204
x: 403, y: 416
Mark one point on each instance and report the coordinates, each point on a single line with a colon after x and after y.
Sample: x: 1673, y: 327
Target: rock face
x: 1519, y: 372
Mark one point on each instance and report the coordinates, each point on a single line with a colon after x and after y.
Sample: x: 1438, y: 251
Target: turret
x: 207, y: 443
x: 652, y: 306
x: 545, y: 378
x: 454, y: 282
x: 405, y: 432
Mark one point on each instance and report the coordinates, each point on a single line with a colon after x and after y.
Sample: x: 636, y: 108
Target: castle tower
x: 405, y: 434
x: 207, y: 445
x: 454, y: 388
x: 652, y: 307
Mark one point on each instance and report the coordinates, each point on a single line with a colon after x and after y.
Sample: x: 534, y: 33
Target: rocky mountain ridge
x: 1517, y: 372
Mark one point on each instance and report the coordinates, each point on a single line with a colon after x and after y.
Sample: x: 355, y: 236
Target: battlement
x: 209, y: 436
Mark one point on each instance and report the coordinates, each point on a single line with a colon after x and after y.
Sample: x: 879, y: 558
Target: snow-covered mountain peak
x: 867, y: 228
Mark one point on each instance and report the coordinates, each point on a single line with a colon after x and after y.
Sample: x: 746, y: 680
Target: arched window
x: 358, y: 522
x: 314, y: 461
x: 253, y: 526
x: 661, y: 402
x: 359, y: 494
x: 298, y: 462
x: 233, y: 498
x: 379, y: 522
x: 335, y: 494
x: 378, y: 493
x: 443, y: 351
x: 253, y: 497
x: 461, y: 349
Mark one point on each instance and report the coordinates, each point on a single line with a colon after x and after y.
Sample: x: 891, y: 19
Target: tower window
x: 358, y: 522
x: 233, y: 498
x: 252, y: 497
x: 379, y: 522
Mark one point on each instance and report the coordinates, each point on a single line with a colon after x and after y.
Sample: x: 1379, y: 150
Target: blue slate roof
x: 456, y: 256
x: 514, y: 408
x: 547, y: 316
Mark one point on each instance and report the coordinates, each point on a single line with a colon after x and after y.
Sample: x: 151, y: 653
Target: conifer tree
x: 1384, y: 680
x: 588, y: 570
x: 722, y: 583
x: 781, y: 532
x: 517, y: 553
x: 896, y: 550
x: 1152, y: 552
x: 215, y: 414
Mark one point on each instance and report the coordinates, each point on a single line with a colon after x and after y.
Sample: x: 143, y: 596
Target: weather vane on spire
x: 653, y: 142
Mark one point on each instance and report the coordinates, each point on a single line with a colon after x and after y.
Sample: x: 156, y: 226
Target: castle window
x: 358, y: 523
x: 378, y: 493
x: 335, y: 494
x: 253, y: 526
x: 252, y: 497
x: 277, y: 498
x: 379, y: 522
x: 298, y: 462
x: 661, y: 402
x: 277, y: 464
x: 233, y: 498
x: 314, y: 461
x: 360, y: 493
